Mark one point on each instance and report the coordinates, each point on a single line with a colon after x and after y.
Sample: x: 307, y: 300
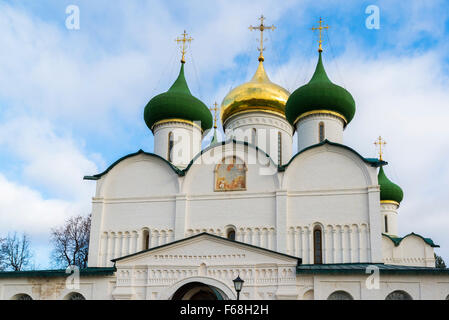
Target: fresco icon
x: 230, y: 175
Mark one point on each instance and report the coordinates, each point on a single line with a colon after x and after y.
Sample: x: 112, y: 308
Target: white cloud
x: 48, y: 160
x: 23, y: 209
x: 51, y: 187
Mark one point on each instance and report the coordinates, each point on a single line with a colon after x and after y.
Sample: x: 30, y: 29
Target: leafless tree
x: 2, y: 256
x: 15, y: 252
x: 71, y: 242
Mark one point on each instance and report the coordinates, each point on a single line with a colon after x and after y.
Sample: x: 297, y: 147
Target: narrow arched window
x: 146, y: 240
x: 317, y: 246
x: 170, y: 147
x: 279, y: 148
x: 321, y: 131
x: 386, y: 224
x: 230, y: 234
x: 254, y: 136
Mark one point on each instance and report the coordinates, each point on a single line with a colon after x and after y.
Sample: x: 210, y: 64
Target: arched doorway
x: 399, y: 295
x: 198, y: 291
x: 74, y: 296
x: 340, y: 295
x: 21, y: 296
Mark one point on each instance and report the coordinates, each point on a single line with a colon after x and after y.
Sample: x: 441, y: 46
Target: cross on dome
x: 379, y: 143
x: 182, y: 42
x: 320, y: 28
x: 261, y: 28
x: 215, y: 110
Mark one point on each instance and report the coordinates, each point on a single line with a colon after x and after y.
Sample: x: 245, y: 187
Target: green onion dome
x: 177, y: 104
x: 389, y: 191
x: 320, y: 95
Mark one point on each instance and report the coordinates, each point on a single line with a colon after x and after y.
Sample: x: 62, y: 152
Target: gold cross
x: 380, y: 142
x: 261, y: 28
x: 182, y: 41
x: 320, y: 28
x: 215, y: 110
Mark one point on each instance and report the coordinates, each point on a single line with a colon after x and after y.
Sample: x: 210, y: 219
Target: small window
x: 230, y: 234
x: 254, y: 136
x: 279, y: 148
x: 170, y: 147
x: 317, y: 246
x: 386, y: 224
x: 321, y: 131
x: 146, y: 240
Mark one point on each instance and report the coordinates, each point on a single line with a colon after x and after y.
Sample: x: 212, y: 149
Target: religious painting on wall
x: 230, y: 175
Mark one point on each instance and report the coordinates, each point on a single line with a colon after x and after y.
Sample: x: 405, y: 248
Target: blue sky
x: 71, y: 101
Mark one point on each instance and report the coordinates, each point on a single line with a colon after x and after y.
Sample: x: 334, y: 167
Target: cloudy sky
x: 71, y: 101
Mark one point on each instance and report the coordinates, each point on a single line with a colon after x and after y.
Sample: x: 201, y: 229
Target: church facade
x: 184, y: 221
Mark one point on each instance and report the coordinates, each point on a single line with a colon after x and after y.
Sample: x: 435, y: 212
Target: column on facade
x: 334, y: 245
x: 154, y: 238
x: 304, y: 255
x: 116, y: 246
x: 281, y: 221
x: 271, y: 239
x: 342, y: 245
x: 361, y: 250
x: 104, y: 249
x: 180, y: 216
x: 310, y: 244
x: 297, y: 242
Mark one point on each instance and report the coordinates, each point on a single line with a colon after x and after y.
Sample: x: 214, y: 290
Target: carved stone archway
x: 199, y: 288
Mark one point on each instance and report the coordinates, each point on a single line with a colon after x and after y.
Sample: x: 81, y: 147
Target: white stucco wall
x: 328, y: 186
x: 308, y: 129
x: 186, y: 141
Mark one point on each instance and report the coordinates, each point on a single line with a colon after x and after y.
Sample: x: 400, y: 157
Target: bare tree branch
x: 71, y: 242
x: 15, y: 252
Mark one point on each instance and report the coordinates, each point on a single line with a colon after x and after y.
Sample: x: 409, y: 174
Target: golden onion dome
x: 259, y: 94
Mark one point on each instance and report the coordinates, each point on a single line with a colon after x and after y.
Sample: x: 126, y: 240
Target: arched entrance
x: 198, y: 291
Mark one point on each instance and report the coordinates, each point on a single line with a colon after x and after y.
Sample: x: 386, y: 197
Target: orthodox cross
x: 320, y: 28
x: 182, y: 42
x: 261, y: 28
x: 379, y: 143
x: 215, y: 110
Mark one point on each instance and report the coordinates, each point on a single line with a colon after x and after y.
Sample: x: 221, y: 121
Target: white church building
x: 184, y: 221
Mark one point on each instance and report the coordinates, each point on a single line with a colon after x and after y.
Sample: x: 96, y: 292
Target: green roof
x: 370, y: 161
x: 174, y: 168
x: 361, y: 268
x: 320, y: 94
x: 388, y: 190
x: 397, y: 240
x: 177, y: 103
x: 57, y: 273
x: 99, y: 175
x: 373, y: 162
